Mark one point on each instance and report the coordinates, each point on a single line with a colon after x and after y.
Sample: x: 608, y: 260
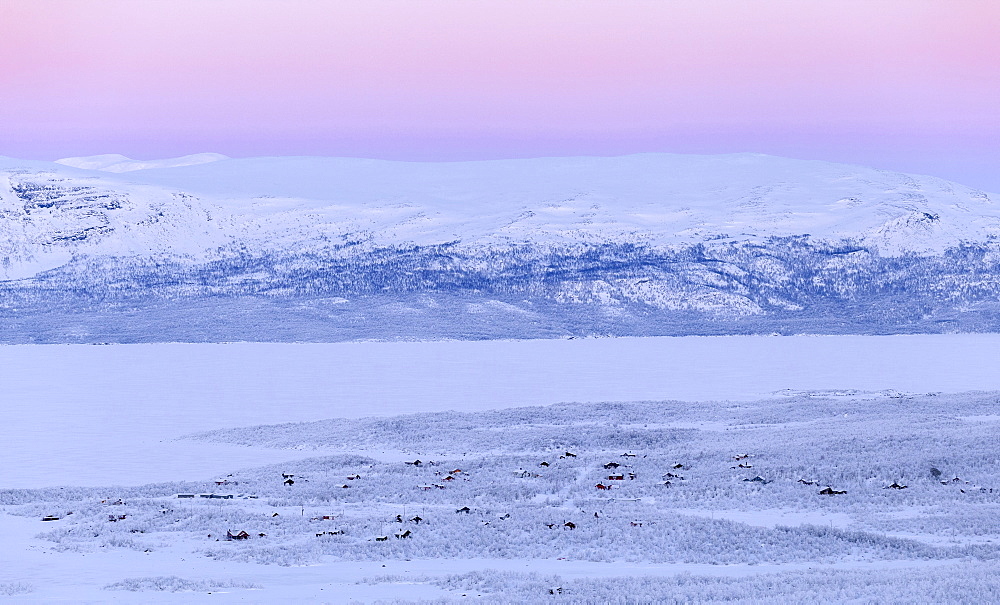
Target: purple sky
x: 901, y: 84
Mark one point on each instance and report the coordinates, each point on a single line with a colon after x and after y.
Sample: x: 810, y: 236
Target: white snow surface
x: 198, y: 205
x: 114, y: 162
x: 100, y: 415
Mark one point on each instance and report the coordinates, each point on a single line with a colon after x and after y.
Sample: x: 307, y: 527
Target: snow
x: 112, y: 413
x: 260, y: 204
x: 114, y: 162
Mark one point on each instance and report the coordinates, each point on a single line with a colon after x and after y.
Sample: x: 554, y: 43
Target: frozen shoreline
x: 101, y: 415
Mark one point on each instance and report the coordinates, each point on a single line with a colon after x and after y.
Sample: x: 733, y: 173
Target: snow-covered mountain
x: 114, y: 162
x: 727, y: 235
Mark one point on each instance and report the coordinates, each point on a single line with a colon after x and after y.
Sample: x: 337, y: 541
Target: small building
x: 185, y: 495
x: 464, y: 509
x: 240, y: 535
x: 829, y: 491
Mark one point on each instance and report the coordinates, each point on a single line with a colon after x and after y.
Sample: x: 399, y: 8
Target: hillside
x: 302, y: 248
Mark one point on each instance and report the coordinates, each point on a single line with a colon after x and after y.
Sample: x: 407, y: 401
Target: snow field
x: 788, y: 542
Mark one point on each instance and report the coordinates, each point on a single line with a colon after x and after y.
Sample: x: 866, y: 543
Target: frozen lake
x: 101, y: 415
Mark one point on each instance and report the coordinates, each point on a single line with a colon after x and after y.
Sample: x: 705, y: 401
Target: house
x: 464, y: 509
x: 403, y: 534
x: 417, y: 519
x: 631, y: 476
x: 758, y: 479
x: 829, y: 491
x: 611, y: 465
x: 628, y: 455
x: 456, y: 471
x: 616, y: 477
x: 602, y: 486
x: 543, y: 463
x: 568, y: 455
x: 448, y: 478
x: 555, y: 590
x: 185, y: 495
x: 416, y: 462
x: 287, y: 475
x: 672, y: 476
x: 569, y: 525
x: 381, y: 538
x: 50, y: 518
x: 895, y: 486
x: 353, y: 477
x: 804, y: 482
x: 677, y: 466
x: 289, y: 481
x: 240, y: 535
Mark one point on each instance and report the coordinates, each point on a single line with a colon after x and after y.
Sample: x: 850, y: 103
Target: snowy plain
x: 110, y: 415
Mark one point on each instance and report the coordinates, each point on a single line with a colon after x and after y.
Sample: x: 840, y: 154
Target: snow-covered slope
x: 51, y: 212
x: 114, y: 162
x: 736, y: 235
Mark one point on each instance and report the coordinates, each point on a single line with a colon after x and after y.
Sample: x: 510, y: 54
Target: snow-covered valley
x: 800, y: 404
x: 802, y: 497
x: 141, y: 424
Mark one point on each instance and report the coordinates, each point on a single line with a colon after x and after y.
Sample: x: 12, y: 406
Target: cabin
x: 240, y: 535
x: 403, y: 534
x: 417, y: 519
x: 758, y: 479
x: 50, y: 518
x: 628, y: 455
x: 829, y: 491
x: 568, y: 455
x: 677, y: 466
x: 611, y: 465
x: 543, y: 463
x: 672, y: 476
x: 804, y: 482
x: 555, y: 590
x: 602, y: 486
x: 289, y: 481
x: 353, y: 477
x: 464, y: 509
x: 456, y: 471
x: 287, y: 475
x: 381, y: 538
x: 895, y: 486
x: 569, y: 525
x: 448, y: 478
x: 631, y: 476
x: 616, y: 477
x: 185, y: 495
x: 416, y: 462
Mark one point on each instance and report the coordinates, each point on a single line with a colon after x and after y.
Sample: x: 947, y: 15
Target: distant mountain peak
x: 114, y: 162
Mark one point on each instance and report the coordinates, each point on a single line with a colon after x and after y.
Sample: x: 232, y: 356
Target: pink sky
x: 907, y: 84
